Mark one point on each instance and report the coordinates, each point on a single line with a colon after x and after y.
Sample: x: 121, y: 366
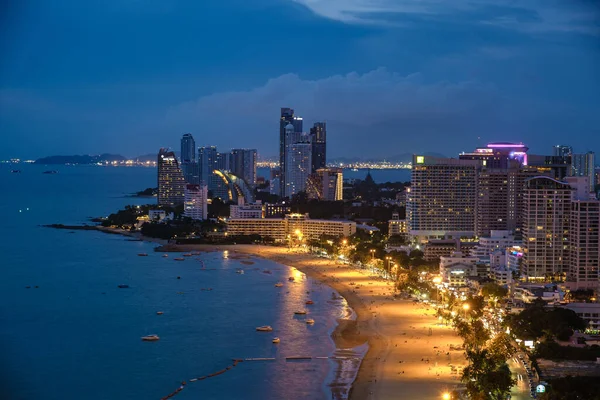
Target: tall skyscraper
x: 584, y: 165
x: 207, y: 162
x: 562, y: 150
x: 442, y: 197
x: 318, y: 138
x: 195, y: 201
x: 584, y: 249
x: 326, y: 184
x: 243, y: 164
x: 289, y: 125
x: 298, y: 165
x: 170, y: 179
x: 224, y: 161
x: 547, y: 208
x: 189, y: 166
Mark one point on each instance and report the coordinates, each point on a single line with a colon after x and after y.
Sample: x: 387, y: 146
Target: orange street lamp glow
x: 446, y: 396
x: 344, y: 242
x: 465, y: 306
x: 437, y: 280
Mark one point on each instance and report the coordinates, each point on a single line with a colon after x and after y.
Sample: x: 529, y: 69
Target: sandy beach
x: 409, y: 354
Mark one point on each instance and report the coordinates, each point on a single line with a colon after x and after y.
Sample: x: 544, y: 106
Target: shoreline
x: 409, y: 352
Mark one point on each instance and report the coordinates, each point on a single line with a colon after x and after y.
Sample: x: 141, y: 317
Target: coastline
x: 409, y: 352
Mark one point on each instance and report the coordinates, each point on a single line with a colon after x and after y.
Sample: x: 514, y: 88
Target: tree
x: 494, y: 291
x: 487, y: 376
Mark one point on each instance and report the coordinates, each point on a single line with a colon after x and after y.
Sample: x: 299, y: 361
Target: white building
x: 501, y: 275
x: 195, y: 201
x: 254, y: 210
x: 457, y: 268
x: 298, y: 166
x: 159, y: 215
x: 498, y: 240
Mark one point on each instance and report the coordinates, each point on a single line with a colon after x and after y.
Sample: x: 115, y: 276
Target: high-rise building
x: 584, y: 235
x: 189, y: 166
x: 224, y: 161
x: 547, y: 207
x: 498, y: 155
x: 442, y: 197
x: 298, y: 165
x: 583, y: 165
x: 289, y: 124
x: 243, y: 164
x: 170, y: 179
x: 557, y: 167
x: 562, y: 150
x: 195, y: 202
x: 318, y: 138
x: 326, y: 184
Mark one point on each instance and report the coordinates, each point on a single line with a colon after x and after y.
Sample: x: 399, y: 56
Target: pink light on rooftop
x: 504, y: 145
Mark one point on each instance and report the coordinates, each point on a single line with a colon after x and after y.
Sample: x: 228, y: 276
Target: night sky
x: 388, y: 76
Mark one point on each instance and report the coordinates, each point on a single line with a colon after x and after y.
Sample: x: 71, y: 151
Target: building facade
x: 170, y: 179
x: 189, y: 166
x: 547, y: 206
x: 299, y: 159
x: 442, y: 197
x: 318, y: 139
x: 195, y: 204
x: 584, y: 165
x: 397, y: 226
x: 289, y: 125
x: 243, y: 164
x: 326, y: 184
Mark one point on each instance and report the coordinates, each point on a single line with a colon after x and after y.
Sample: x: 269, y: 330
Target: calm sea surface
x: 77, y: 336
x: 379, y: 175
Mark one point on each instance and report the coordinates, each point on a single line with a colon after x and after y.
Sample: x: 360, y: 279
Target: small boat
x: 143, y: 254
x: 291, y: 279
x: 309, y: 302
x: 266, y: 271
x: 179, y: 259
x: 265, y: 328
x: 15, y: 171
x: 300, y: 312
x: 310, y: 321
x: 150, y: 338
x: 123, y: 286
x: 239, y: 271
x: 276, y: 340
x: 50, y: 172
x: 278, y: 284
x: 165, y: 255
x: 188, y: 255
x: 159, y: 313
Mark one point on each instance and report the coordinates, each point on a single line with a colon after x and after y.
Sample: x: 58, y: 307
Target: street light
x: 372, y: 254
x: 446, y: 396
x: 466, y: 308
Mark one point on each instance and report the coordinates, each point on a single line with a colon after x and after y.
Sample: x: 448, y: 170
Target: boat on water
x: 123, y: 286
x: 50, y: 172
x: 159, y: 313
x: 278, y: 284
x: 309, y: 302
x: 143, y: 254
x: 188, y: 255
x: 265, y: 328
x: 300, y: 312
x: 354, y: 169
x: 15, y: 171
x: 266, y: 271
x: 276, y: 340
x: 179, y: 259
x: 310, y: 321
x: 150, y: 338
x: 165, y: 255
x: 239, y: 271
x: 291, y: 279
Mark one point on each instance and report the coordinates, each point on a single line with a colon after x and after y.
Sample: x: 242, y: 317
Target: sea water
x: 73, y: 334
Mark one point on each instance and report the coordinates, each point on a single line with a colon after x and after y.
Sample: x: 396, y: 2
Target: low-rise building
x: 456, y: 268
x: 590, y: 312
x: 501, y: 275
x: 293, y: 225
x: 159, y: 215
x: 254, y: 210
x: 276, y: 210
x: 528, y: 293
x: 397, y: 226
x: 434, y: 249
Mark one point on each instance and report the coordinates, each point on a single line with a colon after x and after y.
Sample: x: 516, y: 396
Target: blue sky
x: 389, y: 76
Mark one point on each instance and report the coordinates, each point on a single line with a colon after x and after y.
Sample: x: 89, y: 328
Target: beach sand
x: 409, y: 354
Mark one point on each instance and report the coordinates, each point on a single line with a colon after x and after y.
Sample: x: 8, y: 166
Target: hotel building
x: 442, y: 197
x: 326, y: 184
x: 280, y: 228
x: 195, y: 202
x: 170, y: 179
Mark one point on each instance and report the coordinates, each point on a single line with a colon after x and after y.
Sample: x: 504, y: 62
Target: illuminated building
x: 292, y: 225
x: 170, y: 179
x: 397, y: 226
x: 290, y: 126
x: 562, y: 150
x: 547, y: 206
x: 195, y: 202
x: 244, y: 211
x: 298, y: 164
x: 498, y: 155
x: 326, y: 184
x: 276, y: 210
x: 442, y: 197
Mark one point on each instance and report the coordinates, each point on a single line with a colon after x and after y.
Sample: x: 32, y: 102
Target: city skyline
x: 381, y: 75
